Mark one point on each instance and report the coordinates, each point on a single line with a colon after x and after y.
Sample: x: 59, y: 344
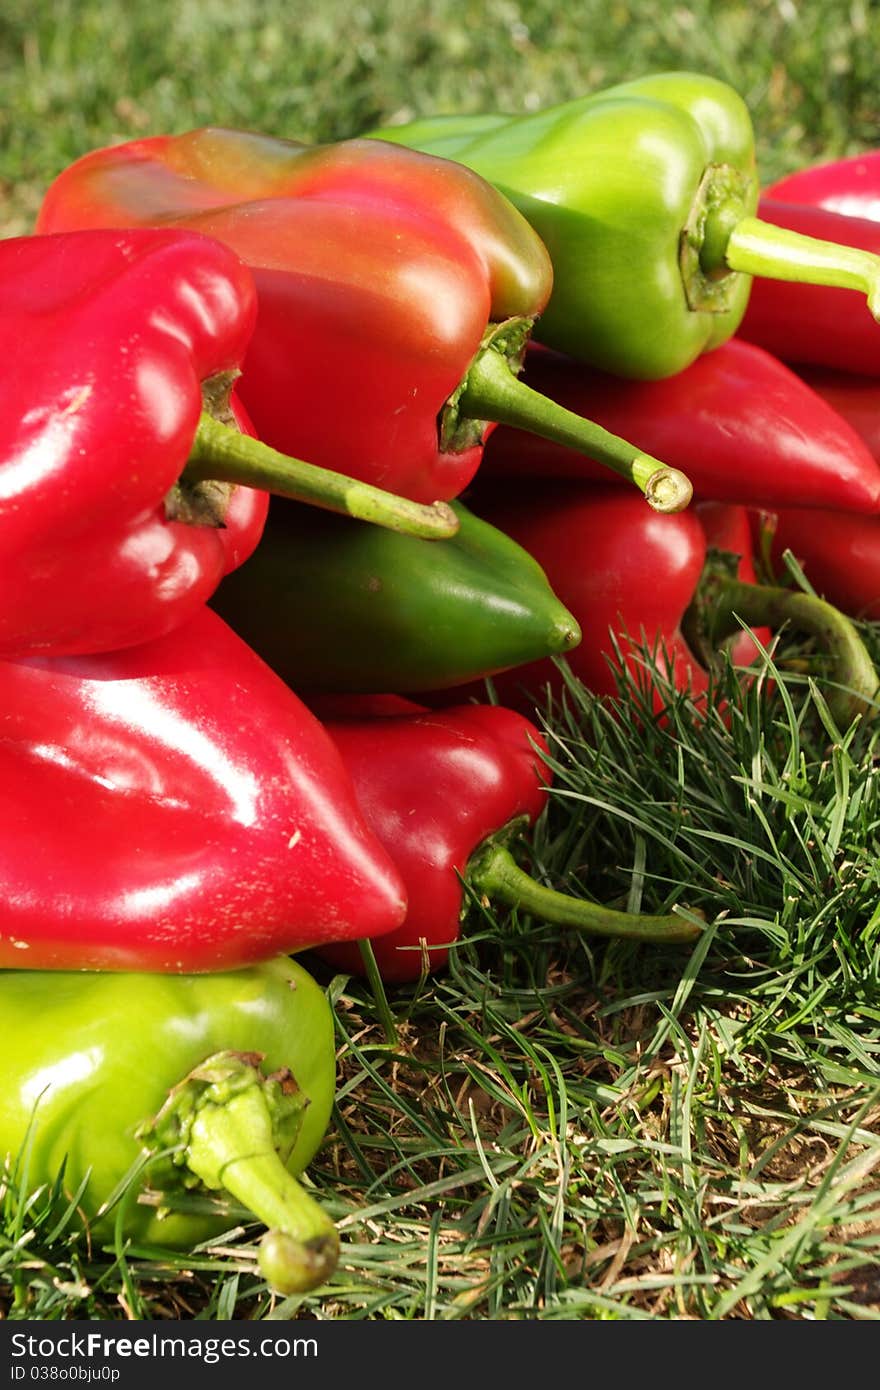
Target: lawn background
x: 76, y: 75
x: 556, y: 1129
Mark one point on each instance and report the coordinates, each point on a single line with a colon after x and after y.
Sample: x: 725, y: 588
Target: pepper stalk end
x: 230, y: 1127
x: 293, y: 1266
x: 666, y: 489
x: 492, y: 390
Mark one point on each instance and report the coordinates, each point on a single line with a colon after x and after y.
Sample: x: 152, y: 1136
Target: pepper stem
x: 220, y: 453
x: 760, y: 248
x: 727, y: 603
x: 227, y: 1125
x: 231, y: 1146
x: 492, y: 392
x: 493, y: 870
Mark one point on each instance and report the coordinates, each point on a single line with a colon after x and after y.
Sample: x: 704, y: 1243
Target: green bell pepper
x: 347, y: 608
x: 645, y: 195
x: 221, y: 1081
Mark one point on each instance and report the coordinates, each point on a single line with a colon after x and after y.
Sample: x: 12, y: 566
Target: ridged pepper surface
x: 849, y: 185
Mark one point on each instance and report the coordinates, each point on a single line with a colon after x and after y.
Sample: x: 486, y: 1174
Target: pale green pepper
x: 645, y: 196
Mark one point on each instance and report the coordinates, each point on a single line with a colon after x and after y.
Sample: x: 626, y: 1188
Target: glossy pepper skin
x: 447, y: 791
x: 850, y: 188
x: 175, y: 807
x: 850, y: 185
x: 645, y: 196
x: 333, y: 605
x: 91, y: 1059
x: 119, y: 512
x: 818, y: 325
x: 856, y: 398
x: 633, y: 584
x: 744, y: 427
x: 106, y: 340
x: 396, y: 294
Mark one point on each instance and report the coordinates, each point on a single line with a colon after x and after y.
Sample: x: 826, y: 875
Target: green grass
x: 561, y: 1128
x: 75, y: 74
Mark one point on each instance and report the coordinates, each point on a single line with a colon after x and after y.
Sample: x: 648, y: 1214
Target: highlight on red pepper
x: 396, y: 292
x: 645, y: 195
x: 634, y: 579
x: 120, y: 509
x: 742, y: 425
x: 850, y: 188
x: 815, y: 324
x: 333, y: 605
x: 175, y: 807
x: 449, y: 792
x: 166, y: 1087
x: 849, y: 185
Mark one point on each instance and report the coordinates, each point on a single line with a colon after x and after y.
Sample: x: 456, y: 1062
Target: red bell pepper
x: 119, y: 510
x: 814, y: 323
x: 850, y: 185
x: 175, y: 807
x: 396, y: 290
x: 743, y: 426
x: 446, y: 792
x: 855, y: 398
x: 632, y: 578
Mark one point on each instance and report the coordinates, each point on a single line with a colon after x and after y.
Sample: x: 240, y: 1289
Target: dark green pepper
x: 645, y: 196
x: 221, y: 1081
x: 350, y: 608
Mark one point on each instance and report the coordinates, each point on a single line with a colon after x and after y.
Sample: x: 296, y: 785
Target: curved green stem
x: 491, y: 391
x: 760, y: 248
x: 493, y: 870
x: 227, y: 1125
x: 729, y: 603
x: 220, y: 453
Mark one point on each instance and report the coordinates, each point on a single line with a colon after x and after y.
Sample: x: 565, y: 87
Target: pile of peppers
x: 300, y: 445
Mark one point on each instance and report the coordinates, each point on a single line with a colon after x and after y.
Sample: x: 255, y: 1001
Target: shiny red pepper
x: 396, y: 290
x: 446, y: 791
x: 743, y: 426
x: 633, y: 579
x: 175, y: 807
x: 814, y: 323
x: 855, y: 398
x: 119, y: 510
x: 850, y: 185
